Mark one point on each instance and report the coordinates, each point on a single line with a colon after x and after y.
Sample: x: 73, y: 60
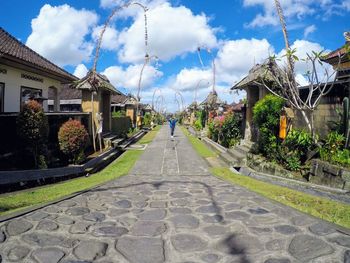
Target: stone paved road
x: 169, y: 209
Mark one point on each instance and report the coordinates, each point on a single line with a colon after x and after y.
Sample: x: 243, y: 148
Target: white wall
x: 13, y: 83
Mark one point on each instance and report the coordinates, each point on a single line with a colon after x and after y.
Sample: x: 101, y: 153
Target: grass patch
x: 149, y: 136
x: 323, y: 208
x: 10, y: 203
x: 198, y: 145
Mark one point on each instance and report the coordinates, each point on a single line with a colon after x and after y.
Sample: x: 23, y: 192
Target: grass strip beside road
x: 11, y: 203
x: 326, y: 209
x: 199, y: 146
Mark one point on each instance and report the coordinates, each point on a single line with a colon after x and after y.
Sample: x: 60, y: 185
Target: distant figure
x: 172, y: 123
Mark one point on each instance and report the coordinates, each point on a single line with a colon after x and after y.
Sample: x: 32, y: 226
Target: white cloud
x: 128, y: 78
x: 302, y: 48
x: 294, y: 9
x: 80, y: 71
x: 172, y: 31
x: 58, y: 33
x: 110, y: 37
x: 236, y: 57
x: 308, y: 30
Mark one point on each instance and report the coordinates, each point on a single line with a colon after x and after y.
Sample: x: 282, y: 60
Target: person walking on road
x: 172, y: 123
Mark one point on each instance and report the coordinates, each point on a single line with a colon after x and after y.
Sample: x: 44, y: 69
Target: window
x: 29, y: 93
x: 2, y: 96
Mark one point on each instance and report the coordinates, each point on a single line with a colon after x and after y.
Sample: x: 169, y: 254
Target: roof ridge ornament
x: 347, y: 36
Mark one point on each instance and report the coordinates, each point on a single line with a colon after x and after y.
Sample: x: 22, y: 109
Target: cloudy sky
x: 238, y: 33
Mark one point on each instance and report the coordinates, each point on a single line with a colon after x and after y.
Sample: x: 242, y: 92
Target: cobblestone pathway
x: 169, y: 209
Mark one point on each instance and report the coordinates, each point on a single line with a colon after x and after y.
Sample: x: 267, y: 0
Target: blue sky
x: 239, y: 33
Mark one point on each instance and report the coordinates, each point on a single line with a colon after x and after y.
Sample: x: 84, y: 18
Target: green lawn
x: 326, y: 209
x: 10, y: 203
x: 199, y: 146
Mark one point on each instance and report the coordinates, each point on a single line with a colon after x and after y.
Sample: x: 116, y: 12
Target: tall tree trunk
x: 285, y: 35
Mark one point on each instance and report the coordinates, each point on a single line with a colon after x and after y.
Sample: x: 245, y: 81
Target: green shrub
x: 198, y: 125
x: 118, y: 114
x: 147, y: 119
x: 231, y: 130
x: 33, y: 130
x: 73, y: 138
x: 332, y: 151
x: 266, y: 115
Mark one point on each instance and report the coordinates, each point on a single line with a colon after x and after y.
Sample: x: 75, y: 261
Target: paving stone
x: 77, y: 211
x: 17, y: 227
x: 302, y: 220
x: 67, y: 203
x: 321, y: 229
x: 37, y: 216
x: 48, y: 255
x: 240, y: 244
x: 213, y: 219
x: 210, y: 209
x: 185, y: 221
x: 79, y: 228
x: 126, y: 221
x: 286, y: 229
x: 237, y: 215
x: 306, y: 248
x: 64, y: 220
x: 123, y: 204
x: 188, y: 243
x: 158, y: 204
x: 148, y: 228
x: 232, y: 206
x: 347, y: 256
x: 2, y: 236
x: 260, y: 230
x: 18, y: 253
x: 180, y: 194
x: 278, y: 260
x: 90, y: 250
x: 275, y: 245
x: 258, y: 211
x: 341, y: 240
x: 110, y: 231
x: 45, y: 240
x: 47, y: 225
x: 210, y: 258
x: 180, y: 210
x: 155, y: 214
x: 216, y: 230
x: 94, y: 217
x: 180, y: 202
x: 203, y: 202
x: 141, y: 249
x: 117, y: 212
x: 141, y: 204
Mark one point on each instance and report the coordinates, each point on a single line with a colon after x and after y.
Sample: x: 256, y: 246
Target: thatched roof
x: 212, y: 99
x: 258, y: 73
x: 94, y: 81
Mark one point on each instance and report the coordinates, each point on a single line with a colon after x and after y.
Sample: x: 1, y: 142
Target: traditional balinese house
x: 69, y: 100
x: 96, y: 98
x: 24, y: 75
x: 118, y: 102
x: 255, y: 90
x: 212, y: 104
x: 130, y: 108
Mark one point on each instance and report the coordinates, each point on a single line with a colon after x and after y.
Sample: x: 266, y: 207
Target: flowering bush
x: 72, y: 138
x: 225, y: 130
x: 33, y: 129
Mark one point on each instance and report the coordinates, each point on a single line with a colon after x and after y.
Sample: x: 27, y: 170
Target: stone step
x: 237, y: 154
x: 242, y: 149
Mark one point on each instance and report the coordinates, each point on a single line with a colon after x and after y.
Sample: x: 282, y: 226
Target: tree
x: 288, y: 88
x: 33, y: 129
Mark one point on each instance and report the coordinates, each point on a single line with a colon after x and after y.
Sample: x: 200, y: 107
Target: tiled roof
x: 119, y: 98
x: 333, y: 57
x: 66, y: 93
x: 10, y: 47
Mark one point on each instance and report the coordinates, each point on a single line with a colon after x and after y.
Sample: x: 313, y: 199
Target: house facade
x: 24, y: 75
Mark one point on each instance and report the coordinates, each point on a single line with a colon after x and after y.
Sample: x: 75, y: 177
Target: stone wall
x: 330, y: 175
x: 121, y: 125
x: 322, y: 116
